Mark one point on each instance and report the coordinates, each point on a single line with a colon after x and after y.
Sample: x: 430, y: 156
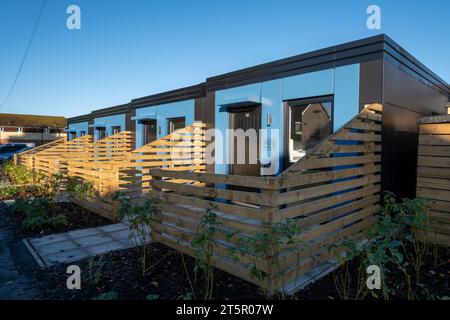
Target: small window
x: 176, y: 123
x: 115, y: 130
x: 46, y: 130
x: 19, y: 129
x: 82, y: 133
x: 2, y: 129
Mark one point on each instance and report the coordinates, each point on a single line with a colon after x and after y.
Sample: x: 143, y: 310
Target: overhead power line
x: 36, y: 24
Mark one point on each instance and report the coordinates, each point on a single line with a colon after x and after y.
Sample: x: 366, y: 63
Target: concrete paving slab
x: 79, y: 244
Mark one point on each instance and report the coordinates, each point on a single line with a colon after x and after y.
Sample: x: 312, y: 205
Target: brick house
x: 23, y: 128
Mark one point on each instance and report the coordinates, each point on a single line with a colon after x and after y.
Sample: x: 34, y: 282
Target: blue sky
x: 133, y: 48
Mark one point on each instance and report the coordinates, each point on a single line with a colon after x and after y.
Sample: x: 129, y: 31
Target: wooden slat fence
x: 26, y: 158
x: 113, y: 166
x: 55, y: 159
x: 182, y: 150
x: 331, y: 193
x: 433, y: 174
x: 99, y: 166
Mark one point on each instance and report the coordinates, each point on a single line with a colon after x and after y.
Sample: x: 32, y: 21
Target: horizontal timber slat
x: 433, y: 177
x: 330, y: 193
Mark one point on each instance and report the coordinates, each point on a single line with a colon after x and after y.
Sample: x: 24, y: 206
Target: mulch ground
x: 122, y: 272
x: 434, y: 281
x: 78, y: 218
x: 167, y: 278
x: 171, y: 275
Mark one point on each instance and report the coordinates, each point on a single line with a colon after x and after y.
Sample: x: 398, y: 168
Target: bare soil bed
x: 121, y: 277
x: 77, y: 218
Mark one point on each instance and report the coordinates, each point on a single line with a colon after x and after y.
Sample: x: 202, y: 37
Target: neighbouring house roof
x: 26, y: 120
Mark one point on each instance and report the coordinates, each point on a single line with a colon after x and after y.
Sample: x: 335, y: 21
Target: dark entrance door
x: 245, y: 118
x: 149, y: 131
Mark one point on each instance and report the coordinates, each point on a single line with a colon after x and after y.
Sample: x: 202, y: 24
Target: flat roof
x: 367, y: 49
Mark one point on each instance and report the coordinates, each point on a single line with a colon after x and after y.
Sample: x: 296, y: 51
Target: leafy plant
x: 17, y: 174
x: 411, y: 218
x: 341, y: 275
x: 110, y: 295
x: 36, y: 212
x: 8, y: 192
x: 95, y: 270
x: 141, y: 219
x: 186, y: 296
x: 268, y: 245
x: 203, y: 245
x: 36, y: 218
x: 19, y: 206
x: 398, y: 240
x: 58, y: 220
x: 79, y: 188
x: 52, y: 187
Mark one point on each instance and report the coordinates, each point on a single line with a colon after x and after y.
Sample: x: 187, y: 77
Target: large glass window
x: 308, y: 124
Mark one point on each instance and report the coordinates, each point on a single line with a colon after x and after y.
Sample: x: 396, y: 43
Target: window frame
x: 115, y: 128
x: 171, y: 120
x: 103, y: 129
x: 301, y: 101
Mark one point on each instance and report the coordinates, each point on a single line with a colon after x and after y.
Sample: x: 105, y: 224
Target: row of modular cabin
x: 299, y: 101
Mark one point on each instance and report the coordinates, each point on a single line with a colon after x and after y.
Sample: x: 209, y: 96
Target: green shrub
x: 8, y: 192
x: 203, y: 246
x: 36, y: 212
x: 111, y: 295
x: 17, y: 174
x: 19, y: 206
x: 79, y: 189
x: 141, y: 218
x: 58, y: 220
x: 398, y: 240
x: 268, y: 245
x: 95, y: 270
